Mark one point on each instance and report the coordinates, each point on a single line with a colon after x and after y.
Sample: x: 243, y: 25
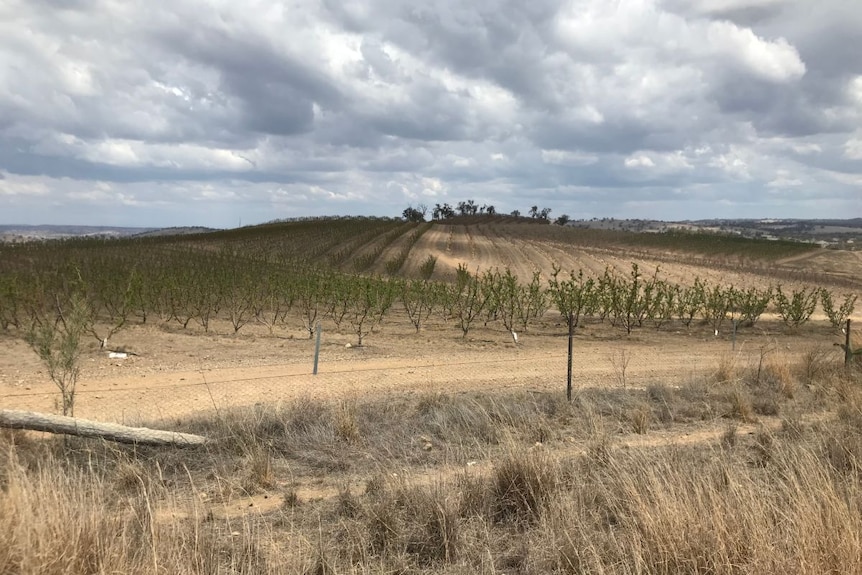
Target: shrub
x: 796, y: 309
x: 837, y: 317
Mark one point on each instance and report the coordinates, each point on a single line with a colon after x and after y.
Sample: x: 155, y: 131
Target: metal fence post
x: 569, y: 371
x: 319, y: 331
x: 733, y: 347
x: 848, y: 351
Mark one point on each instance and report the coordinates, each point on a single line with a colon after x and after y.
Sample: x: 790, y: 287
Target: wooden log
x: 33, y: 421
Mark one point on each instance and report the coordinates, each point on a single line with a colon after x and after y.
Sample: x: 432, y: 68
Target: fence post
x: 569, y: 371
x: 319, y: 330
x: 848, y: 351
x: 733, y: 346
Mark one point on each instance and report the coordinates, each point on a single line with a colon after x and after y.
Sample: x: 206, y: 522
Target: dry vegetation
x: 753, y: 470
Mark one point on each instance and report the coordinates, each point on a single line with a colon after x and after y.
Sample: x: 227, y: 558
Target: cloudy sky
x: 124, y: 112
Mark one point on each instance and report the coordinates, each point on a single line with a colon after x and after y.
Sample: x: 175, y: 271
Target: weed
x: 433, y: 531
x: 730, y: 436
x: 291, y: 499
x: 740, y: 406
x: 520, y: 486
x: 347, y: 504
x: 766, y: 404
x: 346, y: 426
x: 816, y: 365
x: 763, y: 449
x: 727, y: 371
x: 620, y: 360
x: 641, y: 418
x: 426, y: 269
x: 258, y: 471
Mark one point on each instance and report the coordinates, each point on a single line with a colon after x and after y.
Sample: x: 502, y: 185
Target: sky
x: 221, y: 113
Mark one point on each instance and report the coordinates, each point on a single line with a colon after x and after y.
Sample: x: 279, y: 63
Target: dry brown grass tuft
x: 817, y: 365
x: 57, y: 520
x: 727, y: 370
x: 777, y: 376
x: 520, y: 486
x: 641, y: 418
x: 740, y: 406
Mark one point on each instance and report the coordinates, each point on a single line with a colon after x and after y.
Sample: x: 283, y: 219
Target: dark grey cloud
x: 648, y: 108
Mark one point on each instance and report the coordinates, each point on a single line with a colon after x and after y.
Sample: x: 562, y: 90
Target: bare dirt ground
x: 178, y: 373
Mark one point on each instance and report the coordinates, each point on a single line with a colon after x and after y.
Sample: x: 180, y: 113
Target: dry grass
x: 786, y: 498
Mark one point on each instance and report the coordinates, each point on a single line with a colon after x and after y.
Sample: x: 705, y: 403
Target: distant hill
x: 831, y: 233
x: 179, y: 231
x: 23, y: 233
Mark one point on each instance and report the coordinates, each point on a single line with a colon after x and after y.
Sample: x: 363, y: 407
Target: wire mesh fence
x: 138, y: 395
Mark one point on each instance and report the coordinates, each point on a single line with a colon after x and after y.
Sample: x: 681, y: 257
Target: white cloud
x: 15, y: 185
x: 853, y: 149
x: 266, y: 108
x: 733, y: 163
x: 776, y: 60
x: 568, y: 158
x: 784, y: 179
x: 807, y: 148
x: 639, y: 161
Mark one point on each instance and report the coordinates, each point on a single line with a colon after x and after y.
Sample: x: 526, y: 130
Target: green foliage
x: 706, y: 243
x: 57, y: 342
x: 751, y: 304
x: 339, y: 292
x: 420, y: 299
x: 837, y: 317
x: 663, y: 304
x: 367, y: 259
x: 412, y: 214
x: 10, y: 302
x: 690, y: 301
x: 512, y: 302
x: 796, y: 309
x: 468, y: 299
x: 311, y: 299
x: 426, y: 269
x: 290, y: 271
x: 609, y: 291
x: 634, y: 298
x: 718, y: 302
x: 370, y: 299
x: 274, y: 298
x: 573, y: 296
x: 534, y: 302
x: 462, y: 276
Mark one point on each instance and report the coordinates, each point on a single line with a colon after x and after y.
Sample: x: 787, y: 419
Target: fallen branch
x: 33, y: 421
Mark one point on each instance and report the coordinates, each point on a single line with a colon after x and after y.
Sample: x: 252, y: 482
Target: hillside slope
x: 529, y: 248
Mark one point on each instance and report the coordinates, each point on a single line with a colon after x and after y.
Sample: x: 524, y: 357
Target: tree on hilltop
x: 416, y: 214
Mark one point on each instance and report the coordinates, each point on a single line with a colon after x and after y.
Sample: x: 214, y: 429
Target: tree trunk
x: 85, y: 428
